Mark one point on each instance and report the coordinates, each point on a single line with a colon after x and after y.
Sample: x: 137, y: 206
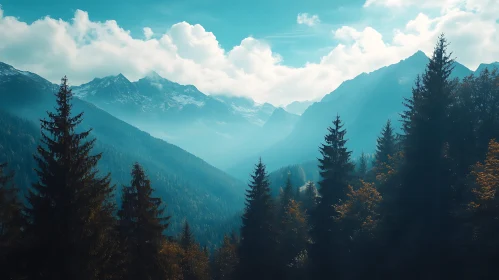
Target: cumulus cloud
x: 148, y: 33
x: 306, y: 19
x: 189, y: 54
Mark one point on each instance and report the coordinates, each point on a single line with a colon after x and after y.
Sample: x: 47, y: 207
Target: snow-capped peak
x: 7, y: 70
x: 154, y: 76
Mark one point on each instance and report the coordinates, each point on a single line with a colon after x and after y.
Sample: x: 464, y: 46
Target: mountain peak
x: 281, y: 117
x: 417, y: 56
x: 298, y: 107
x: 419, y: 53
x: 121, y: 76
x: 280, y: 113
x: 153, y: 75
x: 279, y: 110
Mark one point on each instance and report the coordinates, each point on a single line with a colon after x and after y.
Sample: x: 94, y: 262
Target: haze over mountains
x: 364, y: 103
x: 185, y: 182
x: 231, y: 132
x: 298, y: 107
x: 228, y: 132
x: 180, y: 113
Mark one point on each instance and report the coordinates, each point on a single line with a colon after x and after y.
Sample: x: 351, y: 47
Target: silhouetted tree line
x: 425, y: 208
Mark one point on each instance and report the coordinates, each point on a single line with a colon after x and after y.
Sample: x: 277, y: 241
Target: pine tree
x: 71, y: 226
x: 309, y: 198
x: 328, y: 251
x: 186, y: 238
x: 387, y: 160
x: 424, y: 203
x: 225, y: 260
x: 141, y: 224
x: 298, y: 195
x: 258, y: 235
x: 362, y: 166
x: 11, y: 226
x: 293, y: 241
x: 286, y: 195
x: 385, y: 146
x: 292, y: 232
x: 195, y: 263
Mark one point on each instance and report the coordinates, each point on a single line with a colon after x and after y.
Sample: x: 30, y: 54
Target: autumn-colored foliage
x: 386, y: 170
x: 361, y: 206
x: 487, y: 180
x: 171, y: 254
x: 225, y: 260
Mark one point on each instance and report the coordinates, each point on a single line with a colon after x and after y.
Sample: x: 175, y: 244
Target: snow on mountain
x: 149, y: 94
x: 183, y: 100
x: 7, y: 70
x: 155, y: 94
x: 252, y: 111
x: 9, y: 74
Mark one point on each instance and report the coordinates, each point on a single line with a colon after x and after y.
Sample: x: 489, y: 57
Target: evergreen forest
x: 424, y: 206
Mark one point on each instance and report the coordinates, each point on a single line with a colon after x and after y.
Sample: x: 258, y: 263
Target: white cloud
x: 189, y: 54
x: 407, y: 3
x: 148, y: 33
x: 306, y: 19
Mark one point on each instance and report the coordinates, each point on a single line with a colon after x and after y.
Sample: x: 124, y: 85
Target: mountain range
x: 187, y: 184
x: 236, y: 131
x: 180, y: 113
x: 364, y: 104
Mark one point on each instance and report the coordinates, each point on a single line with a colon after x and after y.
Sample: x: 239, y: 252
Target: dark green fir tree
x: 286, y: 195
x: 71, y: 225
x: 362, y: 170
x: 142, y: 224
x: 385, y: 146
x: 309, y: 198
x: 420, y: 236
x: 12, y: 224
x: 257, y: 250
x: 328, y: 252
x: 186, y: 238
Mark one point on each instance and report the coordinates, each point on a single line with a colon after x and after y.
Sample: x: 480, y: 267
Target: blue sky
x: 252, y: 48
x: 231, y: 21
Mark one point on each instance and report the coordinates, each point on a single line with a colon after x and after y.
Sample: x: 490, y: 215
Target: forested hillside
x: 424, y: 206
x: 364, y: 103
x: 193, y: 189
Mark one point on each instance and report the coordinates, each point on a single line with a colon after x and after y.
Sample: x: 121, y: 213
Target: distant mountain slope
x: 281, y: 117
x: 364, y: 104
x: 490, y: 66
x: 298, y: 107
x: 180, y: 113
x: 153, y: 97
x: 300, y: 174
x: 254, y: 112
x: 277, y: 127
x: 189, y: 185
